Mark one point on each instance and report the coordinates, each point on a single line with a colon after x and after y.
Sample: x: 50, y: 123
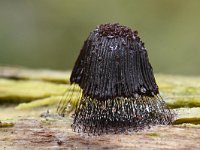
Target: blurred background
x: 50, y: 33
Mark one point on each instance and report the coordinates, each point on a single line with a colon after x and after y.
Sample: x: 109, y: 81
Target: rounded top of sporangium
x: 113, y: 62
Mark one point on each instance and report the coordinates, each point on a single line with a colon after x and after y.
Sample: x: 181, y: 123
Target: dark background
x: 50, y: 33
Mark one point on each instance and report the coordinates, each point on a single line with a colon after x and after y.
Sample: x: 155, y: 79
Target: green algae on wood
x: 177, y: 91
x: 53, y: 100
x: 187, y: 115
x: 183, y: 103
x: 194, y: 120
x: 21, y: 73
x: 178, y: 86
x: 5, y: 124
x: 171, y: 87
x: 25, y: 91
x: 39, y: 103
x: 152, y: 134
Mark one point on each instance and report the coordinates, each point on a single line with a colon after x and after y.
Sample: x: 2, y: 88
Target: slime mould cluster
x: 119, y: 91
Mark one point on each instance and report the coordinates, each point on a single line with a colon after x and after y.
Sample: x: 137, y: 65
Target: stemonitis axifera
x: 119, y: 91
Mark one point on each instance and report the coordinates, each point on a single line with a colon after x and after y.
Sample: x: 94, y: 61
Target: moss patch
x: 187, y: 120
x: 5, y: 124
x: 184, y: 103
x: 153, y: 134
x: 25, y: 91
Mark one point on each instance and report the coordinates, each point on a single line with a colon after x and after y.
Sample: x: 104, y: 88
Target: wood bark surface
x: 25, y: 94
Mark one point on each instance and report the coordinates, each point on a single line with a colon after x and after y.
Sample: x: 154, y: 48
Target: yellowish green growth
x: 29, y: 74
x: 39, y: 88
x: 152, y: 134
x: 184, y: 103
x: 185, y: 115
x: 178, y: 87
x: 53, y: 100
x: 187, y: 120
x: 39, y: 103
x: 4, y: 124
x: 188, y: 125
x: 28, y: 90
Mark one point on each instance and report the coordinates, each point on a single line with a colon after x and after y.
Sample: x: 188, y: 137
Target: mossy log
x: 38, y: 88
x: 19, y: 73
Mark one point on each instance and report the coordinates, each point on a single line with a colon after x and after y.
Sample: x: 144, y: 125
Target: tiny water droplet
x: 123, y: 41
x: 113, y: 109
x: 147, y: 109
x: 96, y: 34
x: 143, y: 90
x: 110, y: 36
x: 113, y: 47
x: 100, y: 58
x: 136, y: 95
x: 93, y: 52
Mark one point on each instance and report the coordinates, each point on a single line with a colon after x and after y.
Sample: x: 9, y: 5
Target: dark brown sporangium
x: 119, y: 91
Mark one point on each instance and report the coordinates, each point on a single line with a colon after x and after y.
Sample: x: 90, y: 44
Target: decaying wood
x: 36, y: 91
x: 42, y: 134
